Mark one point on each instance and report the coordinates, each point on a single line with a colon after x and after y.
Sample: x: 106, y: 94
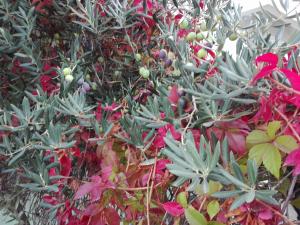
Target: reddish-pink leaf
x: 173, y: 208
x: 161, y: 134
x: 173, y: 95
x: 91, y: 210
x: 293, y: 77
x: 266, y: 214
x: 237, y: 141
x: 270, y: 58
x: 83, y: 190
x: 112, y: 217
x: 266, y: 71
x: 293, y: 159
x: 65, y: 165
x: 264, y: 112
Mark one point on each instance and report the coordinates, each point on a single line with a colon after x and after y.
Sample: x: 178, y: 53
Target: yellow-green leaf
x: 213, y: 208
x: 286, y: 143
x: 272, y: 128
x: 215, y: 223
x: 194, y: 217
x: 181, y: 199
x: 296, y: 203
x: 257, y: 137
x: 213, y: 186
x: 272, y: 161
x: 257, y: 152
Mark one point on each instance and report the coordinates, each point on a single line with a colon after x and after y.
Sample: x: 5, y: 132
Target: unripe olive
x: 233, y: 37
x: 191, y: 36
x: 56, y: 36
x: 138, y: 57
x: 69, y: 78
x: 67, y: 71
x: 88, y: 77
x: 94, y: 86
x: 144, y: 72
x: 100, y: 59
x: 199, y: 37
x: 202, y: 53
x: 184, y: 24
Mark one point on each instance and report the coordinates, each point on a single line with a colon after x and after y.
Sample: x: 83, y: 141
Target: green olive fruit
x: 69, y: 78
x: 191, y: 36
x: 184, y: 24
x: 202, y: 53
x: 67, y: 71
x: 144, y: 72
x: 233, y: 37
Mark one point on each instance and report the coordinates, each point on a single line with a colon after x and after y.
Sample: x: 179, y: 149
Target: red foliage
x: 173, y: 208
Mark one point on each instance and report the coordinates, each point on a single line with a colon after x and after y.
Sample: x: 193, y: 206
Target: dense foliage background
x: 130, y: 112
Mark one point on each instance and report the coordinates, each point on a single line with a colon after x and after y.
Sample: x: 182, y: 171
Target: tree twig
x: 288, y: 124
x: 290, y: 193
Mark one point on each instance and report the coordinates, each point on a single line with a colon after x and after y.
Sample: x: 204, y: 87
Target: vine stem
x: 136, y: 189
x: 150, y: 189
x: 282, y: 180
x: 288, y: 124
x: 190, y: 119
x: 285, y: 87
x: 277, y: 213
x: 290, y: 193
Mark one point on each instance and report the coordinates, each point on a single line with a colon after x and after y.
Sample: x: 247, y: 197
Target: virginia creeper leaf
x: 257, y: 137
x: 194, y: 217
x: 173, y: 208
x: 286, y: 143
x: 257, y: 152
x: 181, y: 199
x: 213, y: 208
x: 272, y: 161
x: 272, y: 128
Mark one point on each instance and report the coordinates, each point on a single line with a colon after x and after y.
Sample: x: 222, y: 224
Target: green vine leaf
x: 269, y: 155
x: 286, y: 143
x: 272, y: 161
x: 272, y: 128
x: 257, y: 137
x: 257, y: 152
x: 213, y: 208
x: 194, y: 217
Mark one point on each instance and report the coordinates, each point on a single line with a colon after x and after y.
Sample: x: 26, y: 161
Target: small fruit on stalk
x: 184, y: 24
x: 138, y: 57
x: 144, y: 72
x: 67, y: 71
x: 202, y: 53
x: 191, y: 36
x: 69, y: 78
x: 233, y: 37
x: 199, y: 36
